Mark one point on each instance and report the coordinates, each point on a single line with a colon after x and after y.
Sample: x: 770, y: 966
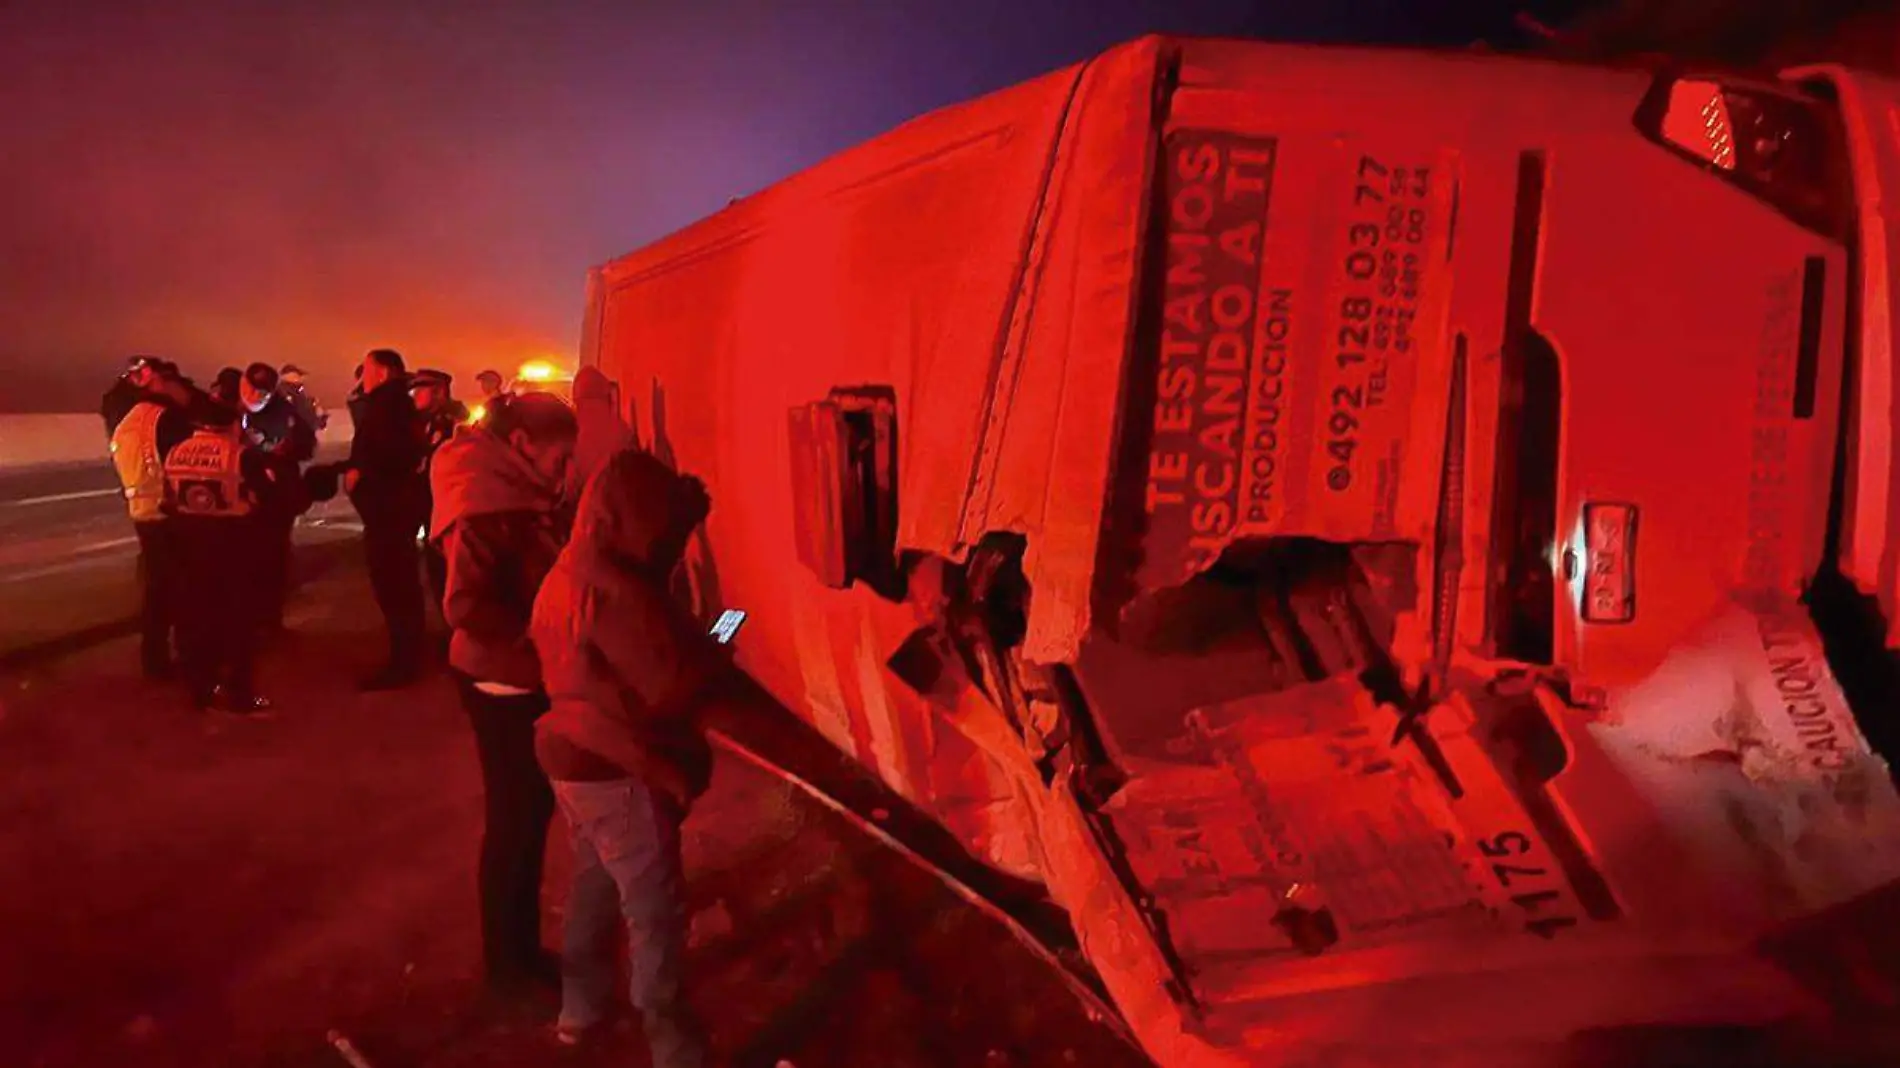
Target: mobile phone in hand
x: 726, y: 627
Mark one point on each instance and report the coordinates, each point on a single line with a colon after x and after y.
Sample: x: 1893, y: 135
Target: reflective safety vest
x: 204, y: 476
x: 135, y: 455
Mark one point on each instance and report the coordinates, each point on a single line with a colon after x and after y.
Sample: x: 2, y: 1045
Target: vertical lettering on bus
x: 1216, y: 188
x: 1773, y: 446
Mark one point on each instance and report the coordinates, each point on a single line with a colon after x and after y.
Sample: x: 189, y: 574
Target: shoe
x: 252, y: 706
x: 573, y: 1035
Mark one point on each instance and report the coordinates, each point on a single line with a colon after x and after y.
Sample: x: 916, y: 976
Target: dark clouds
x: 221, y: 182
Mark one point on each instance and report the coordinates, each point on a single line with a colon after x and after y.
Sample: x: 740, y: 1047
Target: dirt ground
x: 185, y: 889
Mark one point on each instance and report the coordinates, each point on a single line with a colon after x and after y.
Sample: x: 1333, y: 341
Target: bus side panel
x: 1052, y: 450
x: 891, y: 266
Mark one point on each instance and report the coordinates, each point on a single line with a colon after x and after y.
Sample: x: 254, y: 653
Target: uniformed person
x: 225, y: 387
x: 434, y: 396
x: 216, y: 490
x: 290, y: 383
x: 442, y: 415
x: 141, y: 437
x: 140, y: 380
x: 272, y: 425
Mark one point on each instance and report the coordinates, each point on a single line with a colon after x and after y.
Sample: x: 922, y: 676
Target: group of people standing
x: 551, y: 540
x: 583, y: 679
x: 213, y: 483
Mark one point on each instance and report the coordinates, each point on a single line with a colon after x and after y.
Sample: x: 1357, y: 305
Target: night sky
x: 306, y: 179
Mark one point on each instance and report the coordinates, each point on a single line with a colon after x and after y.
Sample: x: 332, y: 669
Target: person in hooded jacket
x: 604, y: 431
x: 500, y: 521
x: 627, y: 668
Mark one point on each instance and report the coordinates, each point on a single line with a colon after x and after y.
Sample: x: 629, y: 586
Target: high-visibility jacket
x: 204, y: 476
x: 135, y: 455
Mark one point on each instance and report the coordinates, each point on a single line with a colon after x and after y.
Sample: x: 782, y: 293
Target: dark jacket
x: 173, y: 427
x: 118, y: 402
x: 441, y: 424
x: 281, y: 432
x: 387, y: 453
x: 499, y: 529
x: 438, y: 428
x: 309, y: 412
x: 285, y: 444
x: 627, y: 666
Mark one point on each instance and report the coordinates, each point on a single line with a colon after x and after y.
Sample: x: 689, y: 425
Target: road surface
x: 67, y: 552
x: 181, y: 889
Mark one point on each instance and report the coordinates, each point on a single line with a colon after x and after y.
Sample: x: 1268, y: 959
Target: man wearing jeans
x: 626, y: 668
x: 627, y: 870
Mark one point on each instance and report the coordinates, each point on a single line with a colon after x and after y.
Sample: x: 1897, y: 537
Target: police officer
x: 442, y: 415
x: 216, y: 487
x: 141, y: 437
x: 224, y: 388
x: 290, y: 383
x: 272, y: 425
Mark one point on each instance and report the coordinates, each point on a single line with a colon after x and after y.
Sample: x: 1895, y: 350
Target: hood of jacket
x: 592, y: 385
x: 476, y: 473
x: 603, y: 433
x: 635, y: 516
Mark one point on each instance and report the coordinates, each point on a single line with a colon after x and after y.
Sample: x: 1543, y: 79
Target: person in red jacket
x: 604, y: 430
x: 626, y: 667
x: 499, y: 520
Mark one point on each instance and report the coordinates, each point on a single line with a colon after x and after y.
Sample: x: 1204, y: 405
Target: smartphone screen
x: 726, y: 627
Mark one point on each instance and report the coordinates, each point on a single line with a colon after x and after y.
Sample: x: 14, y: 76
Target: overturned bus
x: 1347, y: 523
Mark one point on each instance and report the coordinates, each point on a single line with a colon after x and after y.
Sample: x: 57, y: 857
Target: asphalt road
x: 184, y: 889
x: 68, y: 555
